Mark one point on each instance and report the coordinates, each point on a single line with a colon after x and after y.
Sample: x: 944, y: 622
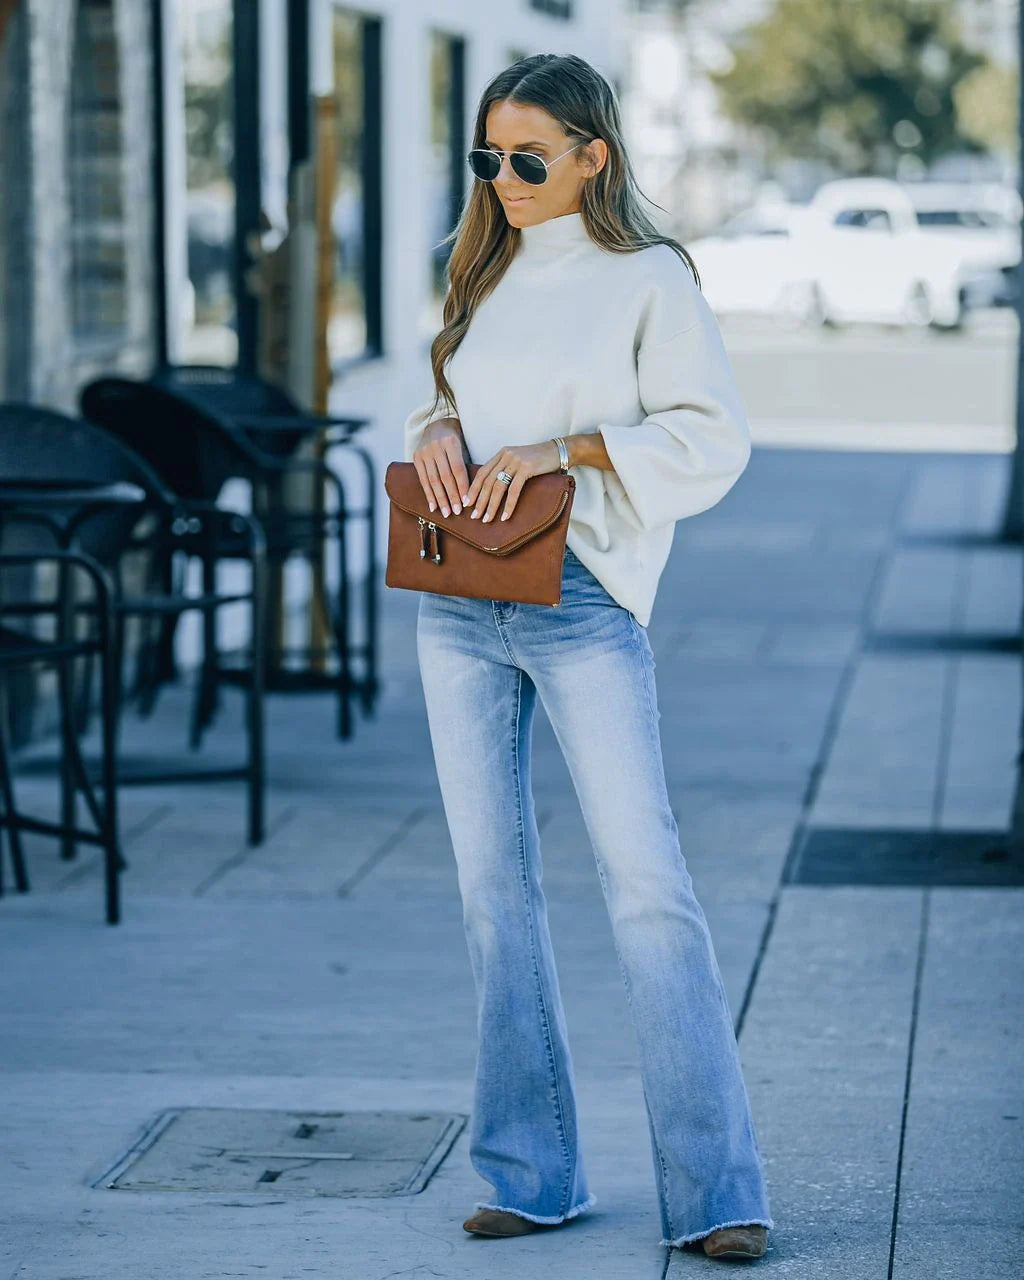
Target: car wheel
x: 917, y: 309
x: 816, y: 312
x: 799, y: 306
x: 956, y: 321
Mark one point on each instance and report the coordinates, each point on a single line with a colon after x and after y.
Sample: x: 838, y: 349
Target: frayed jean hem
x: 533, y: 1217
x: 700, y: 1235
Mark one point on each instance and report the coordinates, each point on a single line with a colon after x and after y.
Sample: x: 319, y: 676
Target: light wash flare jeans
x: 482, y: 665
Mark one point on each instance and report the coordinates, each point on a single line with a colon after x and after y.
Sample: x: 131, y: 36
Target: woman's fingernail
x: 430, y: 505
x: 487, y: 517
x: 457, y: 509
x: 475, y: 514
x: 465, y: 498
x: 504, y: 515
x: 444, y: 512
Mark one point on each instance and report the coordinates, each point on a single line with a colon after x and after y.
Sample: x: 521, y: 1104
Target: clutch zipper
x: 429, y: 528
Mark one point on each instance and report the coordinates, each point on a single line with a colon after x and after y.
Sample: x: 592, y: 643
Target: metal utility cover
x: 315, y: 1153
x: 849, y: 855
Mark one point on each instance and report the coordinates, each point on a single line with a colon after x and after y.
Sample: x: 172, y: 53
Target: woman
x: 568, y: 319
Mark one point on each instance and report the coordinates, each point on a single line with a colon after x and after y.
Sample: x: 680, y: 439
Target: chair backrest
x: 230, y: 394
x: 42, y: 444
x: 228, y: 390
x: 188, y: 446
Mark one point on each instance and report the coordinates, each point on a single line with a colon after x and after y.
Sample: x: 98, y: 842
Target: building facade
x: 144, y: 143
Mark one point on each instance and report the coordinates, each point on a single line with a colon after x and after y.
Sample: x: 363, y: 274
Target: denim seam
x: 638, y: 641
x: 499, y: 623
x: 663, y: 1177
x: 559, y: 1109
x: 661, y: 1173
x: 720, y: 986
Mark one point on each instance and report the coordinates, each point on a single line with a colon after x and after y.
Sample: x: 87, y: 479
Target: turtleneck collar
x: 553, y: 238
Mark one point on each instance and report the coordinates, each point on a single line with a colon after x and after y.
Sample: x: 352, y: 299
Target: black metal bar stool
x: 42, y: 455
x: 199, y: 427
x: 56, y: 503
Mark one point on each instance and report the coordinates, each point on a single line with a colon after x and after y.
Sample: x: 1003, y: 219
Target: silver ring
x: 504, y: 477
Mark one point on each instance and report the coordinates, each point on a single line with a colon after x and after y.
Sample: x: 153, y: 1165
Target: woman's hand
x: 521, y: 461
x: 441, y: 464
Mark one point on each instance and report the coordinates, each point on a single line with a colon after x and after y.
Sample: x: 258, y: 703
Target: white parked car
x: 753, y: 264
x: 860, y: 250
x: 874, y: 260
x: 986, y: 218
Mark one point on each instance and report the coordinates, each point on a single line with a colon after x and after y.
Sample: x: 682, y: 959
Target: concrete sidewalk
x: 835, y: 656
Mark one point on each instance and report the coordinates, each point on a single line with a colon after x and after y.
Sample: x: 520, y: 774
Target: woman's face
x: 513, y: 127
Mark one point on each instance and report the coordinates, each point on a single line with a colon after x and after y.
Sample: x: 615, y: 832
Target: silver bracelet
x: 563, y: 454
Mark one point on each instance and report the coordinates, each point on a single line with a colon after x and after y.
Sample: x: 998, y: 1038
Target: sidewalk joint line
x: 141, y: 828
x: 380, y: 853
x: 922, y: 942
x: 236, y: 859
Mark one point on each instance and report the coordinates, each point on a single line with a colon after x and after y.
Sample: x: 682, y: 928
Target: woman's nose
x: 502, y: 175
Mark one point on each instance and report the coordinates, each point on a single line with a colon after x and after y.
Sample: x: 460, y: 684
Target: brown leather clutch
x: 515, y: 559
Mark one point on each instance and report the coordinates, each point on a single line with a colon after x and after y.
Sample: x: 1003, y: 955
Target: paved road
x: 868, y: 386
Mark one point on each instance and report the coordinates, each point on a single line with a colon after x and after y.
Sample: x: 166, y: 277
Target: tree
x: 986, y: 104
x: 852, y: 84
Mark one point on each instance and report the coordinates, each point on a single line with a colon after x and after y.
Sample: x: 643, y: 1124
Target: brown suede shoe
x: 749, y: 1241
x: 496, y: 1222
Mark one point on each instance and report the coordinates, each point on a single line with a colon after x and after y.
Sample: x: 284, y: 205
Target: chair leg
x: 200, y: 717
x: 370, y: 684
x: 341, y: 633
x: 255, y: 709
x: 66, y: 696
x: 206, y: 699
x: 117, y: 647
x: 166, y: 667
x: 21, y: 882
x: 110, y: 710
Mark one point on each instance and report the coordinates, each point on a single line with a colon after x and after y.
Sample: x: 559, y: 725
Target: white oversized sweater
x: 576, y: 339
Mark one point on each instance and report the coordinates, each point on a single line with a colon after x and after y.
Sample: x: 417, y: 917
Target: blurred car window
x: 969, y: 219
x: 871, y: 219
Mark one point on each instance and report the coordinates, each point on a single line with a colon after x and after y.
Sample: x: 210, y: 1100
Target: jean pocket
x: 579, y: 584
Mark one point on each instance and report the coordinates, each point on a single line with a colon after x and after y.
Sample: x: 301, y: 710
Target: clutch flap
x: 540, y: 504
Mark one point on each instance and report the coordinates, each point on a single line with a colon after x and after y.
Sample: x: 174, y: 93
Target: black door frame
x: 246, y: 172
x: 245, y: 79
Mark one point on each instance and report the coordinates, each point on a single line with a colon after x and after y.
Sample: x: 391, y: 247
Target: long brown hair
x: 584, y: 104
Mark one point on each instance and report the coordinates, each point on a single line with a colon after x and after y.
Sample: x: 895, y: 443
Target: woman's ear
x: 597, y: 153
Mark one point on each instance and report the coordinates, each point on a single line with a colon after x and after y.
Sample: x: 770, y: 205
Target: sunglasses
x: 486, y: 164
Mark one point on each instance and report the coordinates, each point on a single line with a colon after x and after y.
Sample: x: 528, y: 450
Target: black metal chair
x: 274, y: 423
x: 201, y: 426
x: 22, y: 649
x: 161, y: 535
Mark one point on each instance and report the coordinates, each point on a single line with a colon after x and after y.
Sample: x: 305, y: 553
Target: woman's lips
x: 519, y: 199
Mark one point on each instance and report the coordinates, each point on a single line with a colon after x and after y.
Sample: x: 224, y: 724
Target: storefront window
x: 95, y: 181
x: 346, y: 333
x: 208, y: 313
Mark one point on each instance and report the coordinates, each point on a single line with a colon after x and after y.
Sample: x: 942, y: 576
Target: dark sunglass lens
x: 528, y: 167
x: 485, y: 164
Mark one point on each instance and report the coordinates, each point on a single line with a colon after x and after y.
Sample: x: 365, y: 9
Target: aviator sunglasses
x: 486, y: 164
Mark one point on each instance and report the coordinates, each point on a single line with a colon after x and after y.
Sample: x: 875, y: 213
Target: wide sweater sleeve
x: 420, y: 418
x: 694, y: 443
